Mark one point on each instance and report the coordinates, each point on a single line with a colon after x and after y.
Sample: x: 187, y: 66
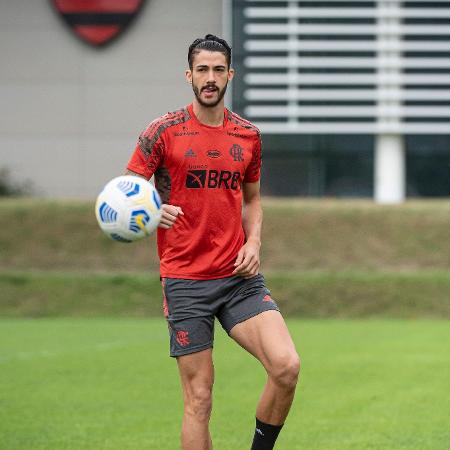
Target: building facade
x: 352, y: 97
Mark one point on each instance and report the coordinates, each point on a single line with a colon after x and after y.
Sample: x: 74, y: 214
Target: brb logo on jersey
x: 212, y: 179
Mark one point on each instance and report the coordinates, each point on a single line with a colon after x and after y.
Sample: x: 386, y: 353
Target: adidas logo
x: 190, y: 153
x: 259, y: 432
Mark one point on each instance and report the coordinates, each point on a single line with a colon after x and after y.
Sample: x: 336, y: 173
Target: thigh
x: 189, y: 316
x: 244, y: 299
x: 266, y: 337
x: 196, y: 372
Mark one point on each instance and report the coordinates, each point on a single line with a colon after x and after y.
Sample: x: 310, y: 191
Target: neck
x: 212, y: 116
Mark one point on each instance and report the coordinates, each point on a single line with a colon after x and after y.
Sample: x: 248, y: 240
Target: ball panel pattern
x: 107, y: 213
x: 128, y: 208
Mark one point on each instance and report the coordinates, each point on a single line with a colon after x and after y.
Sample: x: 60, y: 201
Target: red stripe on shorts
x: 165, y: 305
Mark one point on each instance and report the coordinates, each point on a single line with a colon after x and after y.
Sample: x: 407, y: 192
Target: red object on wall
x: 97, y: 22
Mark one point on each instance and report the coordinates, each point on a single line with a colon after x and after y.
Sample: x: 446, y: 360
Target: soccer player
x: 206, y: 162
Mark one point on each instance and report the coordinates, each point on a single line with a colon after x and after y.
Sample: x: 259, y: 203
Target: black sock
x: 265, y: 435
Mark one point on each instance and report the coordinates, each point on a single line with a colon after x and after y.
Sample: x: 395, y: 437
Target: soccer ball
x: 128, y: 208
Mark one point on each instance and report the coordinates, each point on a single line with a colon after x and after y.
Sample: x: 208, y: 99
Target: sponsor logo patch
x: 190, y: 153
x: 213, y: 179
x: 196, y: 179
x: 186, y: 132
x: 213, y: 153
x: 236, y: 133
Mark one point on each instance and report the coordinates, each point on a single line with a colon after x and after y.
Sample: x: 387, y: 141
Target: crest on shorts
x: 98, y: 22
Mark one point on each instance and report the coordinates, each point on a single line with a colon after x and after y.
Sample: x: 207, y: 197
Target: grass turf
x: 97, y: 384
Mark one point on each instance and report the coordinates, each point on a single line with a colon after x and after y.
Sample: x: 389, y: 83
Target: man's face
x: 209, y: 77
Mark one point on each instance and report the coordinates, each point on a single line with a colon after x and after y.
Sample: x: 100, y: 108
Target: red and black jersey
x: 201, y: 169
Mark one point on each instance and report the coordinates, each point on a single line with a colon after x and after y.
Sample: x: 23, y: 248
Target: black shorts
x: 190, y: 307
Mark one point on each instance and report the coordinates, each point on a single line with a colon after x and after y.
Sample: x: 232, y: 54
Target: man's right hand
x: 169, y: 215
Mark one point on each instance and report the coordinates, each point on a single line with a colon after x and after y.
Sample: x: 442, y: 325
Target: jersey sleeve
x: 253, y: 172
x: 148, y: 154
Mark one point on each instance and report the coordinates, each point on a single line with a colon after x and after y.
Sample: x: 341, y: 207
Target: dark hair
x: 211, y: 43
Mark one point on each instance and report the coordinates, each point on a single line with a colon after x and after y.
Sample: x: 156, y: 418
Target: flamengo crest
x: 97, y: 22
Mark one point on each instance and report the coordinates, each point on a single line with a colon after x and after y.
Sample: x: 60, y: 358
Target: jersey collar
x: 190, y: 108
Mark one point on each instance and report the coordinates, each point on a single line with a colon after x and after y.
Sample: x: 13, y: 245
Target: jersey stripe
x: 155, y: 129
x: 238, y: 120
x: 163, y: 119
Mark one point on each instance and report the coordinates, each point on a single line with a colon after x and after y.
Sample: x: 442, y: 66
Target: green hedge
x: 310, y: 294
x: 298, y: 235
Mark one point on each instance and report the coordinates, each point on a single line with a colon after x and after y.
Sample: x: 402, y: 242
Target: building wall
x: 70, y: 113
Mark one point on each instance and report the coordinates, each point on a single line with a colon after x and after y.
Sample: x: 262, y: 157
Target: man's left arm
x: 247, y: 261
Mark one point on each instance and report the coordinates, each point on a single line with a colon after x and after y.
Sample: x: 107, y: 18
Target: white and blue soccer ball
x: 128, y: 208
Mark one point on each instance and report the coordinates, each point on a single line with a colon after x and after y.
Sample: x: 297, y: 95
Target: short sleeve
x: 253, y: 172
x: 148, y: 154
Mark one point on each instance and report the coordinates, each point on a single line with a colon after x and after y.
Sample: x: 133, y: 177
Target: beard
x: 197, y: 93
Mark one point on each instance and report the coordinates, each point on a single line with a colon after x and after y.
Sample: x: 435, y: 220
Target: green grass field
x: 97, y: 384
x: 84, y: 350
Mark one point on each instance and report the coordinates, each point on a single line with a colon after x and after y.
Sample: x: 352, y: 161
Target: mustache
x: 210, y: 86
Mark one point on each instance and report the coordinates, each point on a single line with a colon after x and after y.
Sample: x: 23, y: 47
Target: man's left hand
x: 247, y: 261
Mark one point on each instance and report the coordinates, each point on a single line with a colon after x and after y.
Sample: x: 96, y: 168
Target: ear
x: 230, y: 74
x: 188, y: 75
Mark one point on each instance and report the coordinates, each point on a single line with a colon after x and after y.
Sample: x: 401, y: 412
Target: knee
x: 286, y: 370
x: 198, y: 403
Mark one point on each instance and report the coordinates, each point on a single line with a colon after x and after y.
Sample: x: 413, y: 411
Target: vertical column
x: 389, y: 169
x: 389, y: 146
x: 227, y: 33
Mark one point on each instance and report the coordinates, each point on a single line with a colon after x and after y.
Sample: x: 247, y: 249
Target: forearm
x: 247, y: 261
x: 252, y: 217
x: 130, y: 172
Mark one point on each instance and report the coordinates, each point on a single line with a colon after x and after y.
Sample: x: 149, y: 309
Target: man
x: 206, y: 162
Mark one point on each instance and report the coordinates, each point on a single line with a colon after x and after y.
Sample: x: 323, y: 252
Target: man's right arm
x: 135, y: 174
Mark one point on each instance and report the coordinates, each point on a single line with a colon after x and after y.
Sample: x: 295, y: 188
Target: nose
x: 211, y: 77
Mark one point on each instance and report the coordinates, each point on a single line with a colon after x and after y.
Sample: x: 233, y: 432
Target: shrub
x: 11, y: 188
